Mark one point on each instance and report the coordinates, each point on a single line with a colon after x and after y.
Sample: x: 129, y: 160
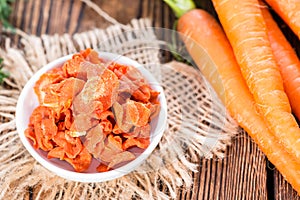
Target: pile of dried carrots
x: 91, y: 108
x: 253, y: 69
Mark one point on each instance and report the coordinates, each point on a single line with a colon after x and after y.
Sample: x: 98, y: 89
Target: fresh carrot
x: 287, y: 61
x: 206, y: 42
x: 211, y: 51
x: 245, y: 28
x: 289, y: 12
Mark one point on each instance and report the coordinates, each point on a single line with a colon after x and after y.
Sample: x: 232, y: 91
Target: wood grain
x: 240, y: 175
x: 283, y: 189
x: 244, y: 173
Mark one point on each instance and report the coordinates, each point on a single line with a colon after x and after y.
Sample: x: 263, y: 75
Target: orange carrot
x: 201, y: 31
x: 245, y: 28
x: 287, y: 61
x: 289, y: 12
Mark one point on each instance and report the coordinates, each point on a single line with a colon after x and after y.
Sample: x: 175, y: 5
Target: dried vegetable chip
x: 82, y: 161
x: 42, y: 127
x: 121, y: 157
x: 53, y: 76
x: 72, y: 68
x: 139, y: 142
x: 94, y: 141
x: 102, y: 168
x: 60, y: 95
x: 98, y: 94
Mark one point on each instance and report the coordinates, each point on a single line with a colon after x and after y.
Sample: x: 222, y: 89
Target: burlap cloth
x: 198, y: 125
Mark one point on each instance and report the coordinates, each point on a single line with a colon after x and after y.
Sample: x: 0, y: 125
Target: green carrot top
x: 180, y: 7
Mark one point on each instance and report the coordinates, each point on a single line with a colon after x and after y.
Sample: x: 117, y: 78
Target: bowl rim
x: 100, y: 176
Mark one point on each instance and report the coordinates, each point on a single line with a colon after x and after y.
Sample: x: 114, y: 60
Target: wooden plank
x: 282, y: 189
x: 75, y: 13
x: 17, y: 14
x: 46, y: 14
x: 123, y: 12
x: 244, y: 171
x: 240, y: 175
x: 64, y: 15
x: 28, y: 16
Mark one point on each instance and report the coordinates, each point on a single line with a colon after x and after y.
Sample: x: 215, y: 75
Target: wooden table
x: 244, y: 173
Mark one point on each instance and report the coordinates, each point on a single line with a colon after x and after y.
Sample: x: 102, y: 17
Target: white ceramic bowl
x: 28, y: 101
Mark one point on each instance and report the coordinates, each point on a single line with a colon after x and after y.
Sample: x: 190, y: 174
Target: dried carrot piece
x: 61, y: 126
x: 94, y: 140
x: 85, y: 53
x: 120, y: 115
x: 121, y: 157
x: 50, y: 98
x: 99, y: 93
x: 68, y: 121
x: 142, y: 143
x: 72, y: 67
x: 112, y: 147
x: 106, y: 115
x: 118, y: 69
x: 137, y: 113
x: 60, y: 139
x: 53, y: 76
x: 59, y: 96
x: 67, y: 90
x: 106, y: 126
x: 142, y: 132
x: 102, y: 168
x: 117, y: 130
x: 154, y: 110
x: 71, y: 145
x: 82, y: 123
x: 154, y: 96
x: 142, y: 94
x: 42, y: 122
x: 90, y: 69
x: 93, y: 57
x: 29, y: 133
x: 56, y: 152
x: 131, y: 114
x: 135, y: 75
x: 81, y: 162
